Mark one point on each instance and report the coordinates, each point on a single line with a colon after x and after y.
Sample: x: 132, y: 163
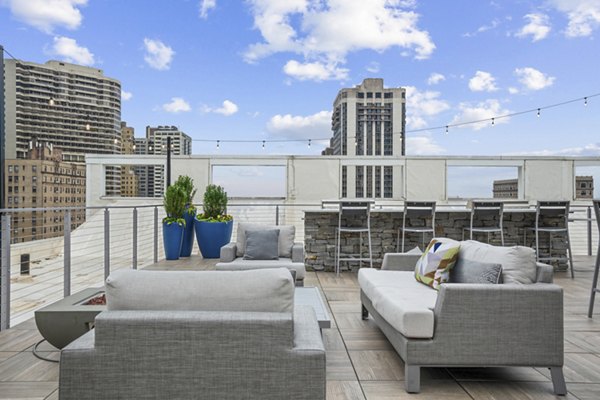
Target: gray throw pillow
x: 468, y: 271
x: 262, y: 245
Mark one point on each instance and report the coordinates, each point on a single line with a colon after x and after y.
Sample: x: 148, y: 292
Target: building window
x: 378, y: 95
x: 360, y: 95
x: 369, y: 181
x: 16, y: 168
x: 34, y: 168
x: 388, y: 95
x: 388, y: 189
x: 369, y: 95
x: 378, y: 181
x: 360, y: 171
x: 10, y: 169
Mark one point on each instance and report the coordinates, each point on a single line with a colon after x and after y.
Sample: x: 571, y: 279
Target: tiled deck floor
x: 361, y: 363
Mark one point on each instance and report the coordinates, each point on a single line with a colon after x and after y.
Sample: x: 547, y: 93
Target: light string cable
x: 446, y: 127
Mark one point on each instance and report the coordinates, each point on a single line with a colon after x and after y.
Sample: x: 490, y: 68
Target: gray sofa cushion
x: 469, y: 271
x: 287, y: 234
x: 518, y: 262
x: 239, y: 264
x: 262, y: 245
x: 261, y: 290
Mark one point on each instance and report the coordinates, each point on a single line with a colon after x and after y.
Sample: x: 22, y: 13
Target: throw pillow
x: 415, y: 250
x: 262, y: 245
x: 433, y: 268
x: 287, y: 234
x: 469, y: 271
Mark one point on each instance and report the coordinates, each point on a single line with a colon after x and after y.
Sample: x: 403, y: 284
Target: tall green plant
x: 174, y: 202
x: 187, y: 184
x: 215, y: 205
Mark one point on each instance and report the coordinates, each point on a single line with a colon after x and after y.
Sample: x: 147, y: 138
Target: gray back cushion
x: 287, y: 234
x: 262, y: 245
x: 259, y: 290
x: 518, y: 262
x: 469, y: 271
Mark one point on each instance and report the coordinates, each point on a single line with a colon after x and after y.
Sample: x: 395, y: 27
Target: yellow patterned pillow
x: 433, y: 268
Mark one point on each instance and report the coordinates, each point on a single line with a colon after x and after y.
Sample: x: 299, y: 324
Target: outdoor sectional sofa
x: 197, y: 335
x: 516, y: 323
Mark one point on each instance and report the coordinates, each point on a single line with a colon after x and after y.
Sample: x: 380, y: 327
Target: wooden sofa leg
x: 365, y: 313
x: 558, y: 381
x: 412, y: 378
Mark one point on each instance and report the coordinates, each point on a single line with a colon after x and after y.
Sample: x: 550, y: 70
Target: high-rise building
x: 129, y: 181
x: 43, y: 180
x: 151, y: 180
x: 508, y: 188
x: 75, y: 108
x: 368, y: 120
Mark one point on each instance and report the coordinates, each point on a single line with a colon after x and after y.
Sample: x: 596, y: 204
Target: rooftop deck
x: 361, y: 364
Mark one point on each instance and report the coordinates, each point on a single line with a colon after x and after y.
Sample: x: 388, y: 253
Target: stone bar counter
x: 320, y: 234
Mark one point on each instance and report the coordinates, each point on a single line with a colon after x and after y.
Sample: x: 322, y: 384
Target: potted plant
x: 173, y: 224
x: 214, y: 226
x: 189, y: 213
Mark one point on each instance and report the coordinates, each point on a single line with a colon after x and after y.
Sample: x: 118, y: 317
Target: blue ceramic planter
x: 172, y: 239
x: 212, y: 236
x: 188, y: 234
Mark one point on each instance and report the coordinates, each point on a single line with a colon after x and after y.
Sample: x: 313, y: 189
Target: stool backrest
x: 552, y: 209
x: 494, y: 209
x: 355, y: 209
x: 419, y: 209
x: 597, y: 210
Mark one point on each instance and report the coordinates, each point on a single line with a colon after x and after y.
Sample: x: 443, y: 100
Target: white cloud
x: 126, y: 95
x: 315, y: 126
x: 314, y: 71
x: 483, y: 82
x: 422, y: 145
x: 421, y: 105
x: 70, y: 51
x: 206, y: 6
x: 583, y: 15
x: 228, y: 108
x: 373, y: 67
x: 45, y: 15
x: 513, y: 90
x: 483, y: 28
x: 435, y: 78
x: 538, y: 27
x: 533, y: 79
x: 177, y: 105
x: 158, y: 55
x: 483, y: 112
x: 326, y: 31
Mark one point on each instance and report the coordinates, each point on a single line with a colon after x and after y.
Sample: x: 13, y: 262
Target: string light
x: 309, y: 143
x: 218, y: 144
x: 492, y: 121
x: 446, y: 129
x: 538, y: 112
x: 263, y: 144
x: 585, y: 101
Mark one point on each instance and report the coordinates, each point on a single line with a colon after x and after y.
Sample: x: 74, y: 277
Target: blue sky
x: 270, y: 69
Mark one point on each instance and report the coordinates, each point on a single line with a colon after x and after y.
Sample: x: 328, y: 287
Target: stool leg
x: 370, y: 251
x: 594, y: 283
x: 537, y: 245
x: 337, y: 253
x: 360, y: 250
x: 502, y: 236
x: 570, y: 255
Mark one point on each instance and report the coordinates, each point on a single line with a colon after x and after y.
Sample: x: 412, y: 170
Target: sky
x: 271, y: 69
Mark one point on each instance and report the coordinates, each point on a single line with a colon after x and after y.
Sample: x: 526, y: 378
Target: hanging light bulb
x: 585, y: 101
x: 538, y: 112
x: 309, y: 143
x: 263, y: 144
x: 446, y: 129
x: 218, y: 144
x: 493, y: 121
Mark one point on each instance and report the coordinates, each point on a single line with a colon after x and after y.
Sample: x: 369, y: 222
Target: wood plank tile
x: 27, y: 390
x: 377, y: 365
x: 430, y: 390
x: 340, y: 390
x: 579, y: 368
x: 53, y: 396
x: 339, y: 367
x: 513, y: 391
x: 353, y: 321
x: 333, y: 340
x: 26, y: 367
x: 588, y: 341
x: 18, y: 340
x: 5, y: 355
x: 345, y: 306
x: 365, y: 339
x: 585, y: 391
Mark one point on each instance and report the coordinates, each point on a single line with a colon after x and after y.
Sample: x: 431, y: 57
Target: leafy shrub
x: 174, y: 202
x: 215, y: 205
x: 187, y: 184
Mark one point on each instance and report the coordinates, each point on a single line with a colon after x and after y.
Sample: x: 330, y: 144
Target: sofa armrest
x: 298, y: 253
x: 505, y: 324
x: 228, y: 252
x: 400, y: 261
x: 545, y: 273
x: 307, y: 334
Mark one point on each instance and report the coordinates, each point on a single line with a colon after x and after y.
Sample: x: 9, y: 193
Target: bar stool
x: 356, y: 211
x: 488, y: 209
x: 417, y: 209
x: 595, y: 281
x: 554, y: 209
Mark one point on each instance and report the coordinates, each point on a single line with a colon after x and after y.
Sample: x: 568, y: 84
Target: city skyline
x: 266, y: 70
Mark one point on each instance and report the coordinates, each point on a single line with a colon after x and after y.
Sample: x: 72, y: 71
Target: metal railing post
x: 67, y: 254
x: 589, y: 230
x: 155, y: 235
x: 135, y: 239
x: 277, y: 215
x: 5, y: 275
x: 106, y: 243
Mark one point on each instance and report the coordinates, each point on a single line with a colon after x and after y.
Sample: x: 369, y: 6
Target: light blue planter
x: 172, y: 239
x: 188, y: 234
x: 212, y: 236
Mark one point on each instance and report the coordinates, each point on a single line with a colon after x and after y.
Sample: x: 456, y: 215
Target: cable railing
x: 39, y: 271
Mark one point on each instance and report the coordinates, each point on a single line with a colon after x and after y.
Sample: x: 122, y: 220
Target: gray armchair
x: 207, y: 348
x: 291, y: 254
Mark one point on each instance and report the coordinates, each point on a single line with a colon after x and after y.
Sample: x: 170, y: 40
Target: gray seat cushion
x: 239, y: 264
